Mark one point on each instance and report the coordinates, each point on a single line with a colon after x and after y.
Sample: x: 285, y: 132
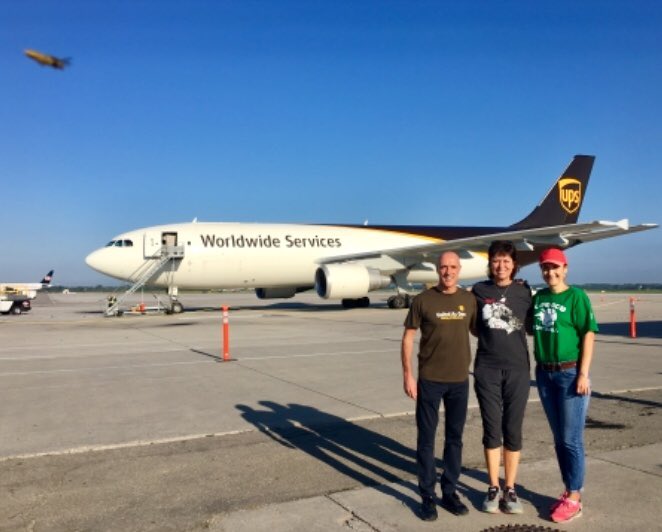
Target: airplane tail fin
x: 60, y: 63
x: 564, y: 200
x: 46, y: 281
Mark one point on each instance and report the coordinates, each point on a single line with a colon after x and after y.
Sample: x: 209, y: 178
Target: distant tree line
x: 591, y: 287
x: 628, y: 287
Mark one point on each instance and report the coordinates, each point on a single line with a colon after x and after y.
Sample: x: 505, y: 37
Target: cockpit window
x: 120, y: 243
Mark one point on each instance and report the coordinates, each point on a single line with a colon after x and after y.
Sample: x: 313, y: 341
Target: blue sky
x: 398, y: 112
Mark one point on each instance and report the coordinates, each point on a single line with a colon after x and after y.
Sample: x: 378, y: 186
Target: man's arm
x: 409, y: 381
x: 473, y: 325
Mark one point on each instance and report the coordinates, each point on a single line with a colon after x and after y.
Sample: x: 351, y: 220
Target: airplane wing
x: 563, y: 236
x: 559, y: 235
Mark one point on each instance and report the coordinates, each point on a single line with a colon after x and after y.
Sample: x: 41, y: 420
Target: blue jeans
x: 566, y: 413
x: 455, y: 396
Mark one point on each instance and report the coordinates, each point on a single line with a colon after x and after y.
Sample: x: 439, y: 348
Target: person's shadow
x: 644, y: 329
x: 368, y: 457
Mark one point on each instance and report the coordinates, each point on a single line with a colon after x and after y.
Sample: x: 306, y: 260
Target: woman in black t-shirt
x: 501, y: 372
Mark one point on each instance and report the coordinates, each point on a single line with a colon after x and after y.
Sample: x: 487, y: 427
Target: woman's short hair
x: 502, y: 247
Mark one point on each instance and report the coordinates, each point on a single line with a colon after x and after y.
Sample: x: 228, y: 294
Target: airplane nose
x: 94, y: 261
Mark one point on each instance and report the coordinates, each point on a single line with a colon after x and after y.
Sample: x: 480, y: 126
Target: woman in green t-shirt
x: 564, y: 335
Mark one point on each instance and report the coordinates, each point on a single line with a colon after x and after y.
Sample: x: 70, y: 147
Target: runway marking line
x: 100, y: 368
x: 75, y: 346
x: 190, y: 437
x: 182, y: 363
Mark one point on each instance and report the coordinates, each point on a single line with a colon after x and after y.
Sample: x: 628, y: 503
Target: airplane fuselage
x: 232, y: 255
x: 46, y: 59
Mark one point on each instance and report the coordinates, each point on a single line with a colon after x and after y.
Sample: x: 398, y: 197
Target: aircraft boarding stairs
x: 144, y: 273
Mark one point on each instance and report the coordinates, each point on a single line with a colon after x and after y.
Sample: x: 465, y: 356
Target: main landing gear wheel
x: 400, y: 301
x: 361, y: 302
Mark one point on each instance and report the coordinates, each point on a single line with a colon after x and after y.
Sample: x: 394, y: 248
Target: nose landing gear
x: 176, y: 307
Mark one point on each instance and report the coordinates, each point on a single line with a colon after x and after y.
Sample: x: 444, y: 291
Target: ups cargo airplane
x: 47, y: 60
x: 343, y: 262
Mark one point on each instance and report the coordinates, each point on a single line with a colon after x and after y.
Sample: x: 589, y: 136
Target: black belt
x: 557, y: 367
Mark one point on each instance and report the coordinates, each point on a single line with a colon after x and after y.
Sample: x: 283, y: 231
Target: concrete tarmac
x: 135, y: 423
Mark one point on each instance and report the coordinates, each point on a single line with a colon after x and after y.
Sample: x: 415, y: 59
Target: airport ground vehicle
x: 14, y: 304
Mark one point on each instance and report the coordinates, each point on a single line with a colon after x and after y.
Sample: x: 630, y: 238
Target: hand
x: 583, y: 384
x: 410, y: 387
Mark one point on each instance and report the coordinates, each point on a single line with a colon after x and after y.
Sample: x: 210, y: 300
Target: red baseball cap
x: 553, y: 256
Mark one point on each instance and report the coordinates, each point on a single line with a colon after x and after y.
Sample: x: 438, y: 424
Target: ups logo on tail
x: 570, y: 194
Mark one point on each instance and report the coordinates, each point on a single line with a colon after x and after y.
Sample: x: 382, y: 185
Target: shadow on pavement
x: 645, y: 329
x: 368, y: 457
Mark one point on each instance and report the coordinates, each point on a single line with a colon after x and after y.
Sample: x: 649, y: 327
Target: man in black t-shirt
x: 445, y: 315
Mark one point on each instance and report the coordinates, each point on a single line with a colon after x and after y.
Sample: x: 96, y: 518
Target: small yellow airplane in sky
x: 47, y: 60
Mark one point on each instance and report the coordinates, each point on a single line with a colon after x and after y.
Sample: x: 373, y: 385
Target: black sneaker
x: 428, y: 509
x: 510, y: 503
x: 453, y: 504
x: 491, y: 502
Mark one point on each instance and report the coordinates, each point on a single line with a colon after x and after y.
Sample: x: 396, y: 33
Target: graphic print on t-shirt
x: 497, y: 315
x: 545, y: 318
x: 458, y: 314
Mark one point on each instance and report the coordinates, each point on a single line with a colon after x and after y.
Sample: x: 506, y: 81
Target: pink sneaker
x: 558, y: 503
x: 567, y: 511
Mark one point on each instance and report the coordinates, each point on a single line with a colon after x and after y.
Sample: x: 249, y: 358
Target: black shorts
x: 502, y: 395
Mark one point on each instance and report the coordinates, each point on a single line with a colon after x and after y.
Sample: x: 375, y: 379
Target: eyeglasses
x: 549, y: 266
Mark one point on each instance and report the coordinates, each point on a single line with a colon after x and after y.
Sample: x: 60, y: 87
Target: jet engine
x: 278, y: 292
x: 348, y: 281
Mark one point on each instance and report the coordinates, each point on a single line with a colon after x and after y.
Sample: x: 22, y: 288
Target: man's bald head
x: 449, y: 271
